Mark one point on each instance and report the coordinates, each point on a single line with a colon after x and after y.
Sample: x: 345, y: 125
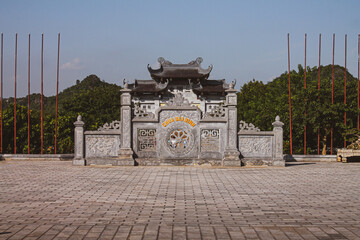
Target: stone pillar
x: 79, y: 142
x: 278, y: 159
x: 231, y: 154
x: 126, y: 152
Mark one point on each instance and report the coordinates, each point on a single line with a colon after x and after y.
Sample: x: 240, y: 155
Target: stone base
x: 177, y: 162
x: 269, y: 162
x: 231, y: 158
x: 110, y: 161
x: 79, y: 162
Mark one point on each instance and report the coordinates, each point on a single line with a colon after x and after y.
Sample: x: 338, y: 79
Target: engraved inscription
x: 210, y: 140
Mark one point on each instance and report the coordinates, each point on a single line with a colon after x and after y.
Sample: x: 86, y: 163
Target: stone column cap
x: 79, y: 122
x: 277, y: 122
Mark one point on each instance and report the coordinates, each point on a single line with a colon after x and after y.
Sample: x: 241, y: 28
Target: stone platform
x: 55, y: 200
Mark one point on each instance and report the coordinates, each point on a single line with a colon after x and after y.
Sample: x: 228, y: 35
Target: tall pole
x: 15, y: 94
x: 318, y: 133
x: 29, y: 98
x: 332, y: 90
x: 291, y: 150
x: 42, y: 92
x: 358, y: 103
x: 305, y: 99
x: 57, y: 92
x: 1, y: 103
x: 345, y: 86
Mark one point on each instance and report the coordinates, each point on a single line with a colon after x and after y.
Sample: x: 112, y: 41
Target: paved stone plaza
x: 55, y: 200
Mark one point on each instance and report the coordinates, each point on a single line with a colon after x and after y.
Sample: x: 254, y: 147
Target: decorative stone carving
x: 232, y: 84
x: 79, y: 142
x: 114, y: 125
x: 243, y: 126
x: 146, y: 140
x: 178, y: 100
x: 126, y: 127
x: 210, y: 140
x: 102, y: 146
x: 216, y: 112
x: 255, y: 146
x: 179, y: 140
x: 142, y: 113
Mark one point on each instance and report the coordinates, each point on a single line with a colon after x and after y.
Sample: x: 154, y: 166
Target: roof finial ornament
x: 126, y: 84
x: 232, y: 84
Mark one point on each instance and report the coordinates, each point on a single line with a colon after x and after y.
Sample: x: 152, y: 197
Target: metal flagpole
x: 345, y: 86
x: 15, y: 94
x: 358, y: 79
x: 42, y: 92
x: 29, y: 98
x: 358, y: 122
x: 1, y: 103
x: 332, y: 90
x: 305, y: 100
x: 57, y: 93
x: 318, y: 133
x: 291, y: 150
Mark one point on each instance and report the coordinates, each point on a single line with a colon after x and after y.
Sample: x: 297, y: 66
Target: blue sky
x: 117, y: 39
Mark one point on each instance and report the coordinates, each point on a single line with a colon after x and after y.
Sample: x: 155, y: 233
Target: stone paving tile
x: 55, y: 200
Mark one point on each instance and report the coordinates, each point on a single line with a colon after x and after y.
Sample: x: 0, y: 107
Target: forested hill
x: 90, y: 84
x: 96, y: 101
x: 259, y: 103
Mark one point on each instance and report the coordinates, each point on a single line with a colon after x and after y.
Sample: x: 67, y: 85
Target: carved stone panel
x: 146, y: 140
x: 210, y: 140
x: 232, y: 134
x: 255, y: 146
x: 102, y: 145
x: 178, y: 134
x: 126, y: 127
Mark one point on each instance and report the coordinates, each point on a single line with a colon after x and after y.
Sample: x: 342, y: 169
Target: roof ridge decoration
x: 178, y: 100
x: 168, y: 70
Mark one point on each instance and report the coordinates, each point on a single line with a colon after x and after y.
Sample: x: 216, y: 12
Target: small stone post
x: 231, y: 154
x: 278, y: 159
x: 125, y: 151
x: 79, y: 142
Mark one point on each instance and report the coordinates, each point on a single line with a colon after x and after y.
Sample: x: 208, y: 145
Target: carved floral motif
x: 255, y: 146
x: 243, y: 126
x: 114, y: 125
x: 102, y: 146
x: 216, y: 112
x: 142, y: 113
x: 178, y: 100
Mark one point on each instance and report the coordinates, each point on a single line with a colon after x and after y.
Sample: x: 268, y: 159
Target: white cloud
x: 75, y: 64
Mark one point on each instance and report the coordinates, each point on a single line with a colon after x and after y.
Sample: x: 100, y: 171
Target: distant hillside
x: 89, y: 86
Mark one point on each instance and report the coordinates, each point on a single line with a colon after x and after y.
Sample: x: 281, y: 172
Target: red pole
x: 318, y: 135
x: 305, y: 100
x: 345, y: 85
x: 29, y: 98
x: 358, y: 122
x: 57, y: 91
x: 1, y: 103
x: 15, y: 94
x: 291, y: 150
x: 42, y: 92
x: 332, y: 89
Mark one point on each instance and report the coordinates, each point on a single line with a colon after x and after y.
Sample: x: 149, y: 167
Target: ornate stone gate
x: 179, y: 117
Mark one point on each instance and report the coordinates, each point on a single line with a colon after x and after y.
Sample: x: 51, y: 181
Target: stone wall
x: 261, y: 148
